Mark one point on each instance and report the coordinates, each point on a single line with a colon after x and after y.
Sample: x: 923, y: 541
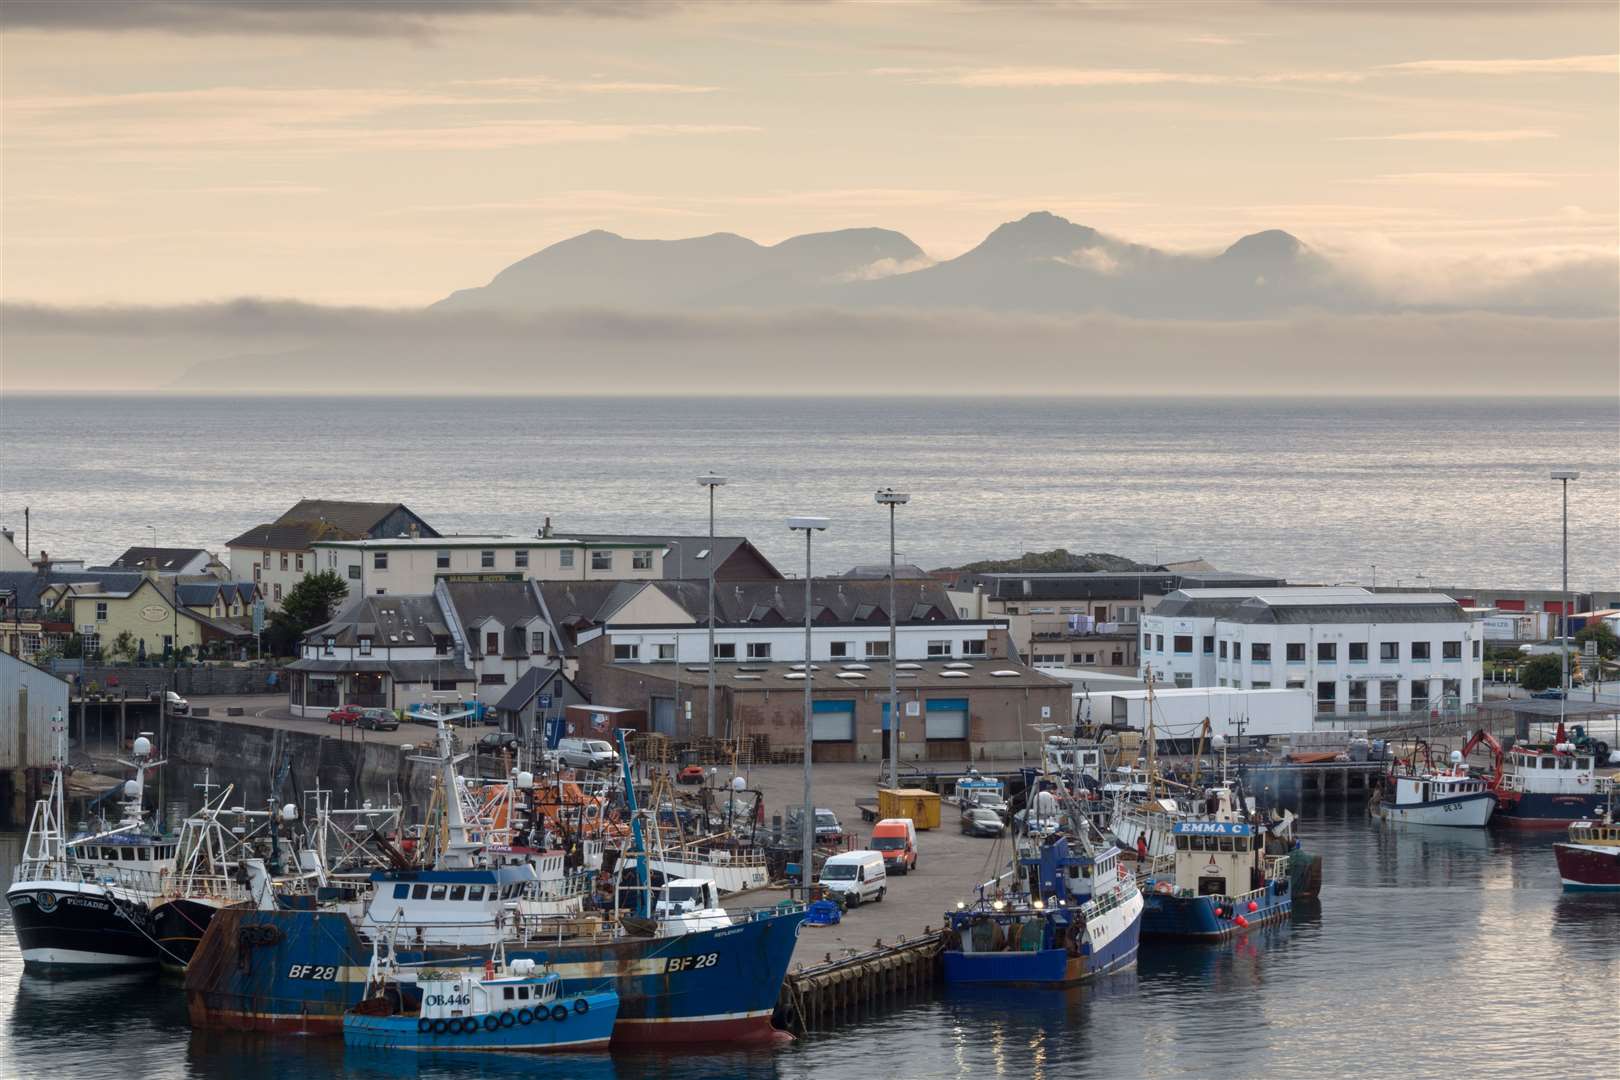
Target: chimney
x: 545, y: 529
x: 149, y: 570
x: 414, y: 531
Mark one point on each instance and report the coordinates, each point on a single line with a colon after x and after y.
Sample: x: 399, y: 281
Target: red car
x: 344, y: 714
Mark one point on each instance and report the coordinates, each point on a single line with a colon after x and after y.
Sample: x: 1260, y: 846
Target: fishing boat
x: 1451, y: 797
x: 1542, y: 785
x: 1225, y: 881
x: 82, y: 903
x: 1070, y: 916
x: 510, y: 1007
x: 1589, y: 861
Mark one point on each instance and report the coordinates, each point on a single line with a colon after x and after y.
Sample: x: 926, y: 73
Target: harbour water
x: 1433, y: 953
x: 1454, y: 490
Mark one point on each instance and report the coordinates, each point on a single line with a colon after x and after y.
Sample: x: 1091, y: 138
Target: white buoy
x: 525, y: 780
x: 132, y: 789
x: 1456, y: 757
x: 738, y: 783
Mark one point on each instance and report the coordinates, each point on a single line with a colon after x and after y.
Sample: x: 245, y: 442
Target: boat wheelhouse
x: 1589, y: 860
x: 1224, y: 881
x: 1548, y: 785
x: 1453, y: 797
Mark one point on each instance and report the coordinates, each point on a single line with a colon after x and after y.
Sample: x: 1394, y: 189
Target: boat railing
x: 67, y: 870
x: 566, y: 888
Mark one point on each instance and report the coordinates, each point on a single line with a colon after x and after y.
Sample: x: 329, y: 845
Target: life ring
x: 1583, y: 779
x: 1164, y: 888
x: 582, y: 1006
x: 559, y: 1013
x: 423, y: 1024
x: 525, y: 1016
x: 507, y: 1019
x: 491, y: 1022
x: 440, y: 1026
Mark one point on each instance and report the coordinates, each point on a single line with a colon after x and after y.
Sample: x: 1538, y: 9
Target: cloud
x: 545, y: 85
x: 1596, y: 64
x: 325, y: 18
x: 887, y: 268
x: 1015, y: 77
x: 1506, y: 180
x: 248, y: 346
x: 1462, y: 136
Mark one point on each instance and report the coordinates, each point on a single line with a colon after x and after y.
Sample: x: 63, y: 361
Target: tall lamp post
x: 711, y: 481
x: 892, y: 498
x: 807, y: 824
x: 1564, y: 476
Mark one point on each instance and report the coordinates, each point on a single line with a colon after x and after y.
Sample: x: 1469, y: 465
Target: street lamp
x: 711, y: 481
x: 892, y: 498
x: 1564, y: 476
x: 807, y: 824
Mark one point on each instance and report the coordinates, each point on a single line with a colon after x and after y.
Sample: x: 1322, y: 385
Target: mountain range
x: 1039, y: 263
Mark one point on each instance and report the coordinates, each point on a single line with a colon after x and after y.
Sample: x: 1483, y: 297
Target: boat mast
x: 1152, y: 740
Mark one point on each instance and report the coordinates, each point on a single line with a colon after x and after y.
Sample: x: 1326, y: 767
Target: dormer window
x: 537, y: 641
x: 365, y: 646
x: 331, y: 646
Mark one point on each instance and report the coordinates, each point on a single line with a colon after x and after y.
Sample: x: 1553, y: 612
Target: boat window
x: 509, y: 992
x: 1566, y: 763
x: 1546, y: 763
x: 475, y: 893
x: 436, y: 892
x: 458, y: 892
x: 1584, y: 763
x: 1226, y: 843
x: 1181, y: 843
x: 523, y: 993
x: 401, y: 891
x: 418, y: 892
x: 144, y: 855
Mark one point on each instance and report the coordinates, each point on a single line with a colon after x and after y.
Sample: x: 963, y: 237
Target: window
x: 475, y: 893
x: 1327, y: 652
x: 939, y: 648
x: 330, y: 646
x: 1420, y: 693
x: 601, y: 560
x: 1295, y: 684
x: 641, y: 560
x: 1476, y: 650
x: 300, y: 561
x: 1326, y: 695
x: 1358, y: 696
x: 365, y: 646
x: 1260, y: 684
x: 266, y: 560
x: 626, y: 652
x: 458, y: 892
x: 565, y: 558
x: 492, y: 643
x: 1158, y: 643
x: 275, y: 591
x: 1182, y: 643
x: 1389, y: 695
x: 486, y: 559
x: 877, y: 650
x: 520, y: 558
x: 759, y: 650
x: 973, y: 648
x: 492, y: 678
x: 441, y: 560
x: 1451, y: 650
x: 537, y: 641
x: 666, y: 651
x: 1209, y: 644
x: 441, y: 645
x: 1358, y: 652
x: 284, y: 560
x: 1259, y: 652
x: 354, y: 572
x: 1223, y: 650
x: 1296, y: 652
x: 1451, y: 690
x: 331, y: 559
x: 836, y: 649
x: 1389, y: 651
x: 1420, y: 650
x: 1183, y: 680
x: 101, y: 611
x: 725, y: 650
x: 382, y: 592
x: 437, y: 892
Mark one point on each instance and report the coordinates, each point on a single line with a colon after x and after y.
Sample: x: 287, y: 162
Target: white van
x: 587, y: 754
x: 856, y: 876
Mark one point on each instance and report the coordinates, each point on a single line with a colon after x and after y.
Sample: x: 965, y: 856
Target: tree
x: 1541, y: 673
x: 1601, y: 632
x: 311, y: 602
x: 123, y: 647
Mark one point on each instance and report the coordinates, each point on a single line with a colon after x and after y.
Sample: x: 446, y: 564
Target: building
x: 29, y: 624
x: 279, y: 554
x: 1356, y: 651
x: 29, y: 699
x: 503, y: 626
x: 12, y: 558
x: 384, y: 566
x: 170, y: 562
x: 1081, y: 619
x: 539, y: 695
x: 102, y: 608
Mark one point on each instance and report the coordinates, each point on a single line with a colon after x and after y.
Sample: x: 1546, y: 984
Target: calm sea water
x: 1433, y: 953
x: 1454, y: 491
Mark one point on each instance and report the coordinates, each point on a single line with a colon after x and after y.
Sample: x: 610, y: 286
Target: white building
x: 834, y: 644
x: 411, y: 565
x: 1356, y: 651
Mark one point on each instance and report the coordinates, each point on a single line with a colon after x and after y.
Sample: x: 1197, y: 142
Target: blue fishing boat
x: 1224, y: 882
x: 512, y: 1007
x: 1069, y: 916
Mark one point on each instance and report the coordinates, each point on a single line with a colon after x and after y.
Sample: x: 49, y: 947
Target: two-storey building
x: 279, y: 554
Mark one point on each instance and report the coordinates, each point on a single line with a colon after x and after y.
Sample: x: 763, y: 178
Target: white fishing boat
x: 1451, y: 797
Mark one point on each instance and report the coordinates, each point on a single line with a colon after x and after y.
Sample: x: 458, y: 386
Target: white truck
x: 1179, y: 712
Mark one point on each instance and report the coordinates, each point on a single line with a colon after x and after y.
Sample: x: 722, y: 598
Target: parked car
x: 982, y: 821
x: 378, y: 720
x: 828, y: 829
x: 344, y: 714
x: 855, y: 877
x: 175, y: 703
x: 896, y: 838
x: 587, y: 754
x: 494, y: 742
x: 691, y: 774
x: 1548, y: 695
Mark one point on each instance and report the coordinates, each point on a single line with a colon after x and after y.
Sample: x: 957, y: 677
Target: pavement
x: 270, y: 710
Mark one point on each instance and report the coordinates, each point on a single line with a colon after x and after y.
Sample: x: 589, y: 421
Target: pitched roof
x: 401, y: 621
x: 355, y: 518
x: 288, y: 535
x: 682, y: 559
x: 169, y: 560
x: 1301, y: 605
x: 1106, y: 584
x: 529, y: 684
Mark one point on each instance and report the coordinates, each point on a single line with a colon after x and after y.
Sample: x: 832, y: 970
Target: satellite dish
x: 132, y: 789
x: 1217, y: 742
x: 289, y: 812
x: 737, y: 783
x: 1456, y: 757
x: 143, y: 746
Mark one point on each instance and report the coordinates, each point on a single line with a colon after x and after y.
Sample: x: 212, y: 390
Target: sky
x: 383, y: 154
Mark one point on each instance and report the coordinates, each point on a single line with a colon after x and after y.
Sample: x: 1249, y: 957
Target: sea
x: 1421, y: 492
x: 1433, y: 952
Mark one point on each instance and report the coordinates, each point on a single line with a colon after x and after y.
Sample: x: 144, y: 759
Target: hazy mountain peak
x: 1038, y: 235
x: 1271, y: 245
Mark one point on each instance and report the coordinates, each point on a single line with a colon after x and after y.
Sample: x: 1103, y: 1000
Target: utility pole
x: 711, y: 481
x: 1564, y: 476
x: 807, y: 823
x: 892, y: 498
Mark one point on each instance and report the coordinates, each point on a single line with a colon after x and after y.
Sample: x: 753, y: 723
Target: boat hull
x: 1588, y: 867
x: 1192, y: 918
x: 299, y: 971
x: 180, y: 924
x: 1110, y: 952
x: 1543, y: 810
x: 1471, y: 811
x: 63, y: 925
x: 543, y: 1033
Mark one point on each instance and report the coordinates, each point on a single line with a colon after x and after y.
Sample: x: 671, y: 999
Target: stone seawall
x: 138, y: 682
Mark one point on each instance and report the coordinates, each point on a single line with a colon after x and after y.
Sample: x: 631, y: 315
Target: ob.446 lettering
x: 690, y: 963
